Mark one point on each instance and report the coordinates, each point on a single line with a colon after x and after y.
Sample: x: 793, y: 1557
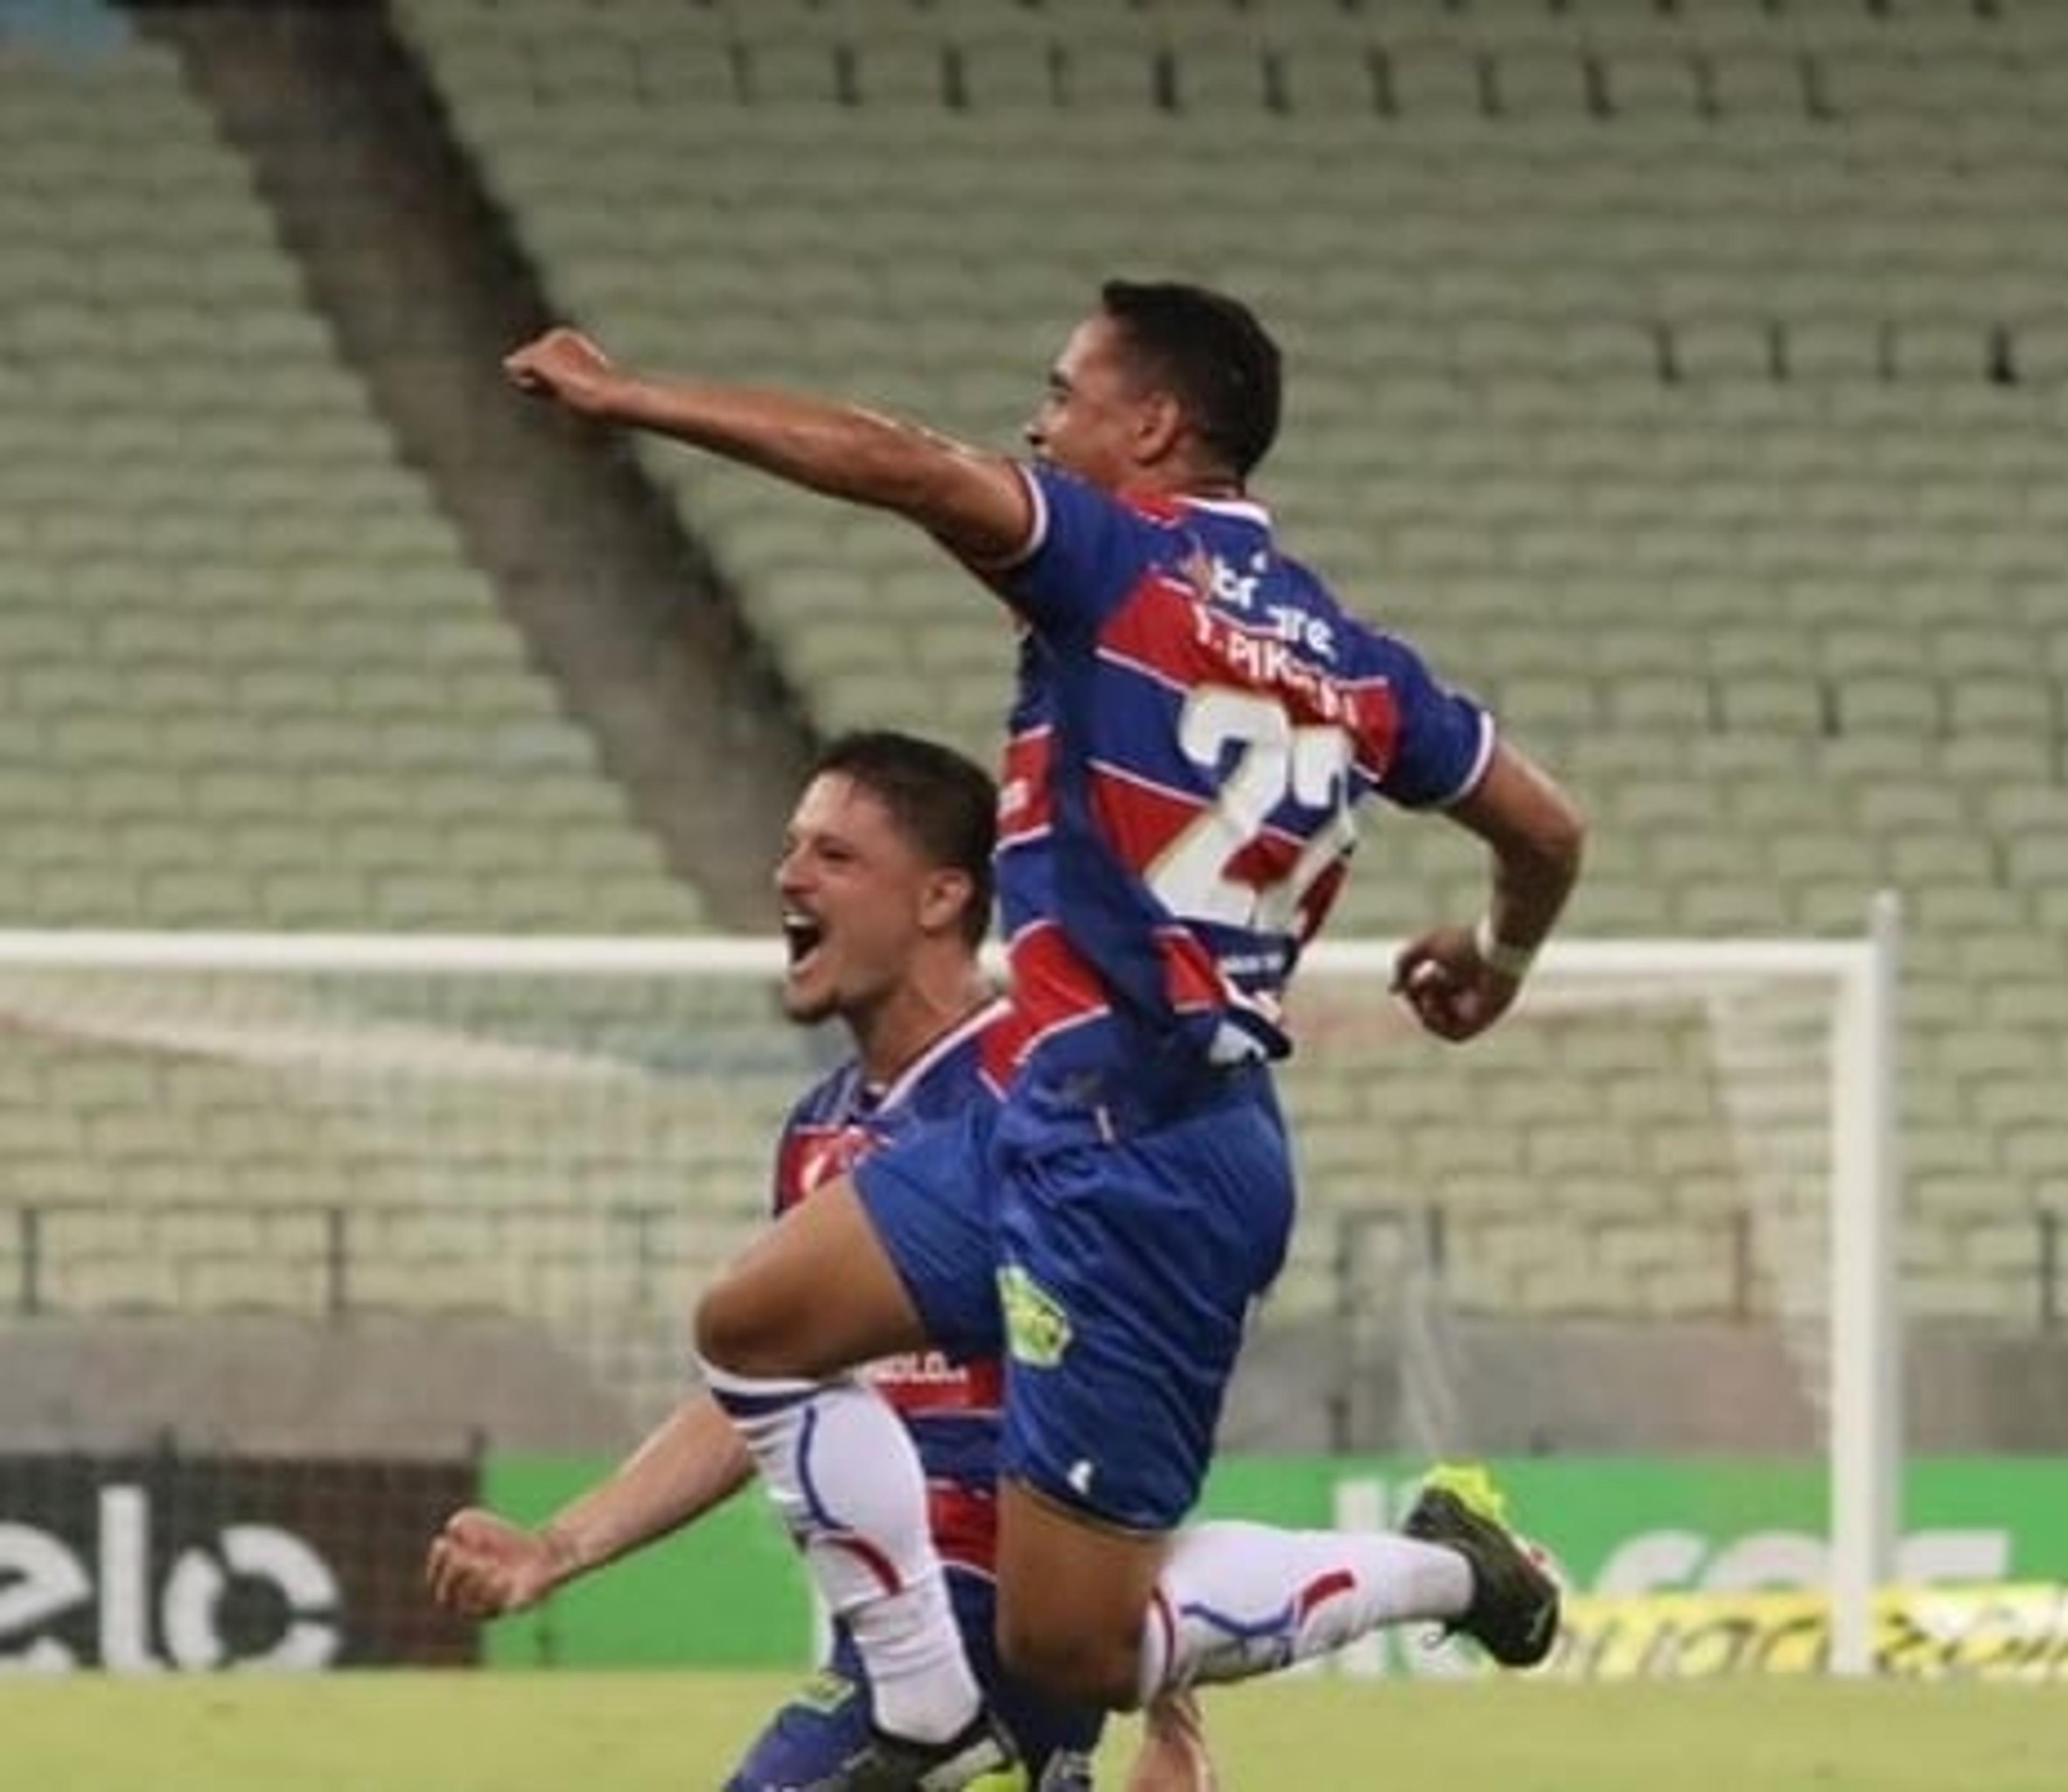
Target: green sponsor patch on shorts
x: 1037, y: 1329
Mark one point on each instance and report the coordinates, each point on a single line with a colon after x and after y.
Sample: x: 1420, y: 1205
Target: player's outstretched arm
x: 976, y: 503
x: 1460, y: 980
x: 482, y: 1565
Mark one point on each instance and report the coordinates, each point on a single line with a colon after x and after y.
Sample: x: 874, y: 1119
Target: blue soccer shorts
x: 1118, y: 1275
x: 930, y: 1195
x: 827, y: 1719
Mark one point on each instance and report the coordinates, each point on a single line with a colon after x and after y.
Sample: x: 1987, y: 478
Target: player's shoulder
x: 951, y: 1072
x: 1301, y: 575
x: 1157, y: 507
x: 825, y: 1102
x: 1058, y: 488
x: 1359, y: 623
x: 1297, y: 580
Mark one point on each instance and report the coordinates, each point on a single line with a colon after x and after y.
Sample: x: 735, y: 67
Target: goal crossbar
x: 663, y: 955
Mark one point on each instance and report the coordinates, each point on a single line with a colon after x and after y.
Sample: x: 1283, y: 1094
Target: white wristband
x: 1502, y: 960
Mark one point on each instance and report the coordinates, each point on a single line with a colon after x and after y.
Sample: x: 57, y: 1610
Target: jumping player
x: 1196, y: 718
x: 886, y: 892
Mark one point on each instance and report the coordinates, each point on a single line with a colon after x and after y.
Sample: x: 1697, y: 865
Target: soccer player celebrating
x: 1197, y: 716
x: 886, y: 883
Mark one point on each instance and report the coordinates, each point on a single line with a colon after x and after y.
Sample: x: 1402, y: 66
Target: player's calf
x: 1073, y: 1594
x: 1077, y: 1665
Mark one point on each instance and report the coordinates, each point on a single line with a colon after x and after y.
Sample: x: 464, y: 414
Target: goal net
x: 1648, y: 1215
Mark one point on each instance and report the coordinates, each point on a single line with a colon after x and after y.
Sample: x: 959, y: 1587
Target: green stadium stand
x: 212, y: 561
x: 250, y: 682
x: 1688, y: 380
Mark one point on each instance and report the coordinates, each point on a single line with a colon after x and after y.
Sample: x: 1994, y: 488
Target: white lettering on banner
x: 42, y: 1579
x: 39, y: 1578
x: 1928, y: 1557
x: 1686, y: 1561
x: 1653, y: 1558
x: 125, y: 1555
x: 194, y: 1590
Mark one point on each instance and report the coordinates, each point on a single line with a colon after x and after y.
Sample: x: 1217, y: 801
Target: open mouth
x: 801, y: 936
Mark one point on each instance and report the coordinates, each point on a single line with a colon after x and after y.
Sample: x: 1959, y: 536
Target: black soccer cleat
x: 979, y: 1755
x: 1514, y: 1612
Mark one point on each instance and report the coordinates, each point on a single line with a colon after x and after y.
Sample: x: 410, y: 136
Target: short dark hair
x: 946, y: 804
x: 1219, y: 362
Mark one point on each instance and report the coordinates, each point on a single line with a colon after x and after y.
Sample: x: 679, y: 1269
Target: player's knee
x: 734, y: 1330
x: 1081, y: 1667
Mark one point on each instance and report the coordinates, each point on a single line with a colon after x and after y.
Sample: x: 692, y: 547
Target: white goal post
x: 1857, y: 976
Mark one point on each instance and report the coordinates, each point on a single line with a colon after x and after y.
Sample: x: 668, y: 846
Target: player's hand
x: 481, y: 1566
x: 1173, y: 1757
x: 565, y: 366
x: 1454, y: 992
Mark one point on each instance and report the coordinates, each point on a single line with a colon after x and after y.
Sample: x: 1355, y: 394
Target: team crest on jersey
x: 1037, y: 1329
x: 812, y: 1155
x: 1214, y: 579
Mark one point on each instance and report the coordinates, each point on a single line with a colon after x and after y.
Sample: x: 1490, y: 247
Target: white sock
x: 1235, y: 1600
x: 844, y: 1478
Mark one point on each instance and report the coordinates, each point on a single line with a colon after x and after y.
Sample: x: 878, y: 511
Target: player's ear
x: 944, y: 899
x: 1159, y: 426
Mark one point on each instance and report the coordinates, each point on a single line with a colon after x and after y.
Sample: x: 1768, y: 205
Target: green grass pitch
x: 573, y: 1732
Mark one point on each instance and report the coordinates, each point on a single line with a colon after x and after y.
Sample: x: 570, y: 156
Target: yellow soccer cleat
x: 1514, y: 1612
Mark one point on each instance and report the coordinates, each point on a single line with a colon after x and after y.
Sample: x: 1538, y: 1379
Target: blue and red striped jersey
x: 1197, y: 718
x: 950, y: 1408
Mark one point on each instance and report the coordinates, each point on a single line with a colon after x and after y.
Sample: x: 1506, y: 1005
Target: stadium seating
x: 1689, y: 380
x: 1686, y: 379
x: 251, y: 683
x: 254, y: 681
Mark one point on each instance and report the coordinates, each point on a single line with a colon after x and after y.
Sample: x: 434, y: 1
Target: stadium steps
x: 610, y: 598
x: 154, y: 632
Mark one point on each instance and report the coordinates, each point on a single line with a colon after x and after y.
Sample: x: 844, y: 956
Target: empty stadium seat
x: 1687, y: 378
x: 220, y: 562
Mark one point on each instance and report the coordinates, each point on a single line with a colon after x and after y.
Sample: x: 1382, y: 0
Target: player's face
x: 854, y: 892
x: 1090, y: 419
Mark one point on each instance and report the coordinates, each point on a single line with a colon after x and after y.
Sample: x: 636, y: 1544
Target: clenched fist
x: 482, y: 1566
x: 565, y: 366
x: 1454, y: 993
